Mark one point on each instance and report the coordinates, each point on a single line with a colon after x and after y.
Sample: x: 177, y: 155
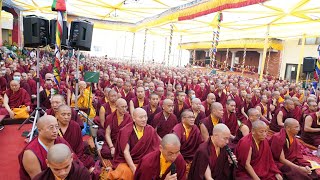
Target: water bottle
x: 318, y: 151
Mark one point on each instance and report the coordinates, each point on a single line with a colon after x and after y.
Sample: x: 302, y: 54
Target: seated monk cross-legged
x: 188, y: 134
x: 287, y: 153
x: 114, y: 122
x: 158, y: 164
x: 255, y: 157
x: 71, y: 132
x: 211, y: 160
x: 135, y: 140
x: 61, y: 165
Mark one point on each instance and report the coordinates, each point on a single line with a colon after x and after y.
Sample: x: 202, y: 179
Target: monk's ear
x: 160, y: 148
x: 47, y: 162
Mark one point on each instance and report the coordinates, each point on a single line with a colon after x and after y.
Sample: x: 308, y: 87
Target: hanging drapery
x: 60, y: 7
x: 144, y: 45
x: 215, y: 42
x: 244, y: 59
x: 133, y: 39
x: 194, y: 57
x: 170, y: 43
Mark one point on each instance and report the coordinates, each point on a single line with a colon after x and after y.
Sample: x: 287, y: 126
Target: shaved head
x: 58, y: 153
x: 121, y: 102
x: 64, y: 107
x: 258, y: 124
x: 42, y: 121
x: 216, y: 105
x: 289, y: 122
x: 171, y: 139
x: 220, y: 135
x: 196, y: 100
x: 167, y: 101
x: 219, y: 128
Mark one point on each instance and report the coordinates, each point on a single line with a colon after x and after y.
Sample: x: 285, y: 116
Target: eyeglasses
x: 48, y: 79
x: 190, y: 117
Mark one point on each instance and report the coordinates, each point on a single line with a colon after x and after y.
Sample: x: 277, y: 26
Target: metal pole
x: 301, y: 56
x: 165, y: 48
x: 170, y: 43
x: 180, y: 51
x: 266, y: 45
x: 133, y: 38
x: 144, y: 45
x: 77, y: 81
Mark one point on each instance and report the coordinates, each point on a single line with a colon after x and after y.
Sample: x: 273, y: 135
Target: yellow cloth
x: 140, y: 103
x: 113, y: 108
x: 164, y: 165
x: 47, y: 92
x: 214, y: 120
x: 20, y: 113
x: 265, y: 109
x: 121, y: 172
x: 256, y: 143
x: 187, y: 131
x: 83, y: 103
x: 280, y: 100
x: 138, y: 133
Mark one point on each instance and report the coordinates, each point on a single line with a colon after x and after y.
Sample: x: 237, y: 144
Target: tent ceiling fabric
x: 287, y: 18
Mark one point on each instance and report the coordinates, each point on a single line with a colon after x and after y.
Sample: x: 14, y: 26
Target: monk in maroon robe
x: 114, y: 122
x: 264, y: 109
x: 15, y: 97
x: 191, y: 94
x: 211, y: 158
x: 126, y: 92
x: 71, y: 132
x: 189, y: 135
x: 256, y: 97
x: 312, y: 107
x: 230, y: 118
x: 138, y: 101
x: 207, y: 124
x: 246, y: 105
x: 196, y: 109
x: 233, y: 95
x: 32, y: 159
x: 254, y: 156
x: 297, y: 111
x: 153, y: 107
x: 158, y: 164
x: 102, y: 100
x: 107, y: 108
x: 165, y: 120
x: 211, y: 98
x: 287, y: 152
x: 221, y: 96
x: 180, y: 105
x: 135, y: 140
x: 33, y: 84
x: 58, y: 100
x: 311, y: 130
x: 281, y: 114
x: 61, y: 165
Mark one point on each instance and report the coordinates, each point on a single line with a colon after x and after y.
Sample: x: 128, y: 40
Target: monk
x: 126, y: 92
x: 287, y: 154
x: 256, y: 97
x: 165, y: 120
x: 153, y: 107
x: 255, y: 157
x: 211, y: 98
x: 109, y: 107
x: 139, y: 101
x: 221, y: 96
x: 102, y: 100
x: 85, y: 99
x: 32, y: 159
x: 311, y: 130
x: 297, y: 111
x: 196, y: 109
x: 180, y: 104
x: 71, y: 132
x: 58, y: 100
x: 135, y: 140
x: 61, y: 165
x: 14, y: 98
x: 158, y: 164
x: 264, y: 109
x: 281, y: 114
x: 211, y: 158
x: 188, y: 134
x: 45, y: 94
x: 207, y: 124
x: 190, y: 95
x: 233, y: 95
x: 246, y: 105
x: 253, y: 115
x: 114, y: 122
x: 312, y: 107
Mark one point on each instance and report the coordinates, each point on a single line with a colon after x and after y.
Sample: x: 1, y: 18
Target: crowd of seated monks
x: 161, y: 123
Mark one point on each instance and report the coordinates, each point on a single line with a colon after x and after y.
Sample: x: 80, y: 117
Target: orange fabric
x: 164, y: 165
x: 140, y: 103
x: 121, y: 172
x: 214, y: 120
x: 187, y: 131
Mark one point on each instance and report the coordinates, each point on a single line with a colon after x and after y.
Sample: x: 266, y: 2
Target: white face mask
x: 193, y: 96
x: 17, y: 78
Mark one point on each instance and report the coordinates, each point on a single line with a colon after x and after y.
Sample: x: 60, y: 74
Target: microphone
x: 173, y: 168
x: 230, y: 153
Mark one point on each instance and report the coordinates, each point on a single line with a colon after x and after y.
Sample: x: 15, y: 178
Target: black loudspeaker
x: 81, y: 35
x: 53, y: 24
x: 309, y: 63
x: 35, y: 31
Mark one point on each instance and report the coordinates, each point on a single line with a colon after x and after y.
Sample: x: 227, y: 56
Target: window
x: 310, y: 41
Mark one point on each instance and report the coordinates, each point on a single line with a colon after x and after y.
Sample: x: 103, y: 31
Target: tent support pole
x: 303, y: 40
x: 265, y: 48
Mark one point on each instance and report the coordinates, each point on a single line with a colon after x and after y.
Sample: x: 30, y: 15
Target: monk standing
x: 281, y: 114
x: 165, y: 120
x: 211, y: 159
x: 188, y: 134
x: 61, y: 165
x: 135, y: 140
x: 255, y: 157
x: 287, y: 152
x: 158, y: 164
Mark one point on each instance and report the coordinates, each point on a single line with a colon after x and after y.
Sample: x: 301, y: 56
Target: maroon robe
x: 274, y: 123
x: 74, y: 137
x: 279, y: 142
x: 77, y: 172
x: 41, y: 154
x: 261, y: 159
x: 101, y: 101
x: 177, y: 111
x: 3, y: 84
x: 263, y: 110
x: 103, y: 83
x: 45, y: 100
x: 237, y: 100
x: 297, y: 114
x: 25, y: 85
x: 188, y: 146
x: 136, y: 103
x: 138, y: 148
x: 221, y: 98
x: 201, y: 115
x: 151, y: 114
x: 188, y: 102
x: 312, y: 138
x: 19, y: 98
x: 206, y: 156
x: 149, y: 167
x: 112, y: 121
x: 230, y: 119
x: 33, y: 86
x: 74, y: 116
x: 130, y: 95
x: 163, y: 126
x: 207, y: 122
x: 255, y: 101
x: 207, y: 108
x: 246, y: 107
x: 201, y: 93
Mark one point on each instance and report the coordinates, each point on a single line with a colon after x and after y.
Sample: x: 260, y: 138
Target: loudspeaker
x: 53, y: 24
x: 35, y: 31
x: 81, y: 35
x: 309, y: 63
